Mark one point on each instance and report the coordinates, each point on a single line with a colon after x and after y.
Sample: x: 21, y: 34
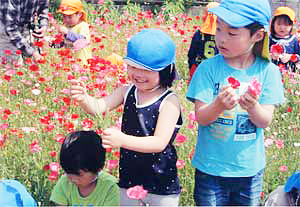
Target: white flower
x: 36, y: 92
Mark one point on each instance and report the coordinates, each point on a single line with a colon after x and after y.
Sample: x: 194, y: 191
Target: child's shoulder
x: 105, y: 177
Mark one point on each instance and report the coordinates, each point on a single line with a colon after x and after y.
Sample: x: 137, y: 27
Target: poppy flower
x: 233, y: 82
x: 276, y: 49
x: 255, y: 87
x: 294, y: 58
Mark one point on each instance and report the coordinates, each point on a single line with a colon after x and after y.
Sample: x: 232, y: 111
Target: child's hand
x: 248, y: 100
x: 61, y: 28
x: 275, y: 56
x: 39, y: 33
x: 112, y: 138
x: 285, y: 57
x: 227, y: 98
x: 77, y: 90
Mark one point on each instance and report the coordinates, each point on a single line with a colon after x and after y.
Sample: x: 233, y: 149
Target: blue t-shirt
x: 232, y: 146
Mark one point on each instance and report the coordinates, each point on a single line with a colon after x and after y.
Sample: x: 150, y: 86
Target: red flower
x: 38, y: 44
x: 294, y: 58
x: 88, y: 123
x: 233, y: 82
x: 52, y: 153
x: 7, y: 52
x: 34, y: 68
x: 289, y: 109
x: 277, y: 49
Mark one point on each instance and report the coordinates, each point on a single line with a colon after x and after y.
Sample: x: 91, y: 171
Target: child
x: 82, y: 157
x: 230, y: 155
x: 288, y: 194
x: 203, y: 44
x: 281, y: 34
x: 76, y: 27
x: 151, y: 119
x: 13, y: 193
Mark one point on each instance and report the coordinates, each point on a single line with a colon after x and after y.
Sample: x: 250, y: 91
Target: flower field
x: 36, y: 111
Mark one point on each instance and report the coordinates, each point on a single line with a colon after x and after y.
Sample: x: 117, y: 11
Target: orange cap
x: 115, y: 59
x: 210, y: 20
x: 70, y: 7
x: 284, y: 10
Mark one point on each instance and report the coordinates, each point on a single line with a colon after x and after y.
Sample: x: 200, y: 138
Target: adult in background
x: 16, y: 21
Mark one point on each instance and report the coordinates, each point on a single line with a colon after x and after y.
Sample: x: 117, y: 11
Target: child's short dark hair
x: 82, y: 150
x: 285, y: 18
x: 167, y: 76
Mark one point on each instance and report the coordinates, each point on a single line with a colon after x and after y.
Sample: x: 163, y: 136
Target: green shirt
x: 106, y: 192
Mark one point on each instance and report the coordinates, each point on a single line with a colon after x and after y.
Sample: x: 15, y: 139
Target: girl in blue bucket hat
x: 151, y: 120
x: 234, y: 94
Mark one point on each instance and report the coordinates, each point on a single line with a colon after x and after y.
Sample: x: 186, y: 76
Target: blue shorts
x: 225, y: 191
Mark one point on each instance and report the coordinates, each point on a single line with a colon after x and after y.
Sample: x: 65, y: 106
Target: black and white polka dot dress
x: 156, y: 172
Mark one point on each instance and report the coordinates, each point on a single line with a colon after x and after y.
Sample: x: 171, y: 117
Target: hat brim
x: 67, y: 12
x: 231, y: 18
x: 136, y: 64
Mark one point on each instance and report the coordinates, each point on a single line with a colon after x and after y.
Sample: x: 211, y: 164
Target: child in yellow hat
x: 284, y: 46
x: 75, y: 29
x: 203, y: 44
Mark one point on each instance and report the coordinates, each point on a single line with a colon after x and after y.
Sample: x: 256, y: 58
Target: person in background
x: 150, y: 122
x: 282, y: 36
x: 17, y: 20
x: 75, y: 29
x: 235, y: 93
x: 203, y: 44
x: 84, y: 183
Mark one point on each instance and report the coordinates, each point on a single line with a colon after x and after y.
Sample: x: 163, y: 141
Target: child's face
x: 84, y: 179
x: 282, y: 27
x: 143, y: 79
x: 72, y: 20
x: 233, y: 42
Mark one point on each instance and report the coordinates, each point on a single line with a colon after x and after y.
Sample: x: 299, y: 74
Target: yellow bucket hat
x: 284, y: 10
x: 69, y: 7
x: 210, y: 20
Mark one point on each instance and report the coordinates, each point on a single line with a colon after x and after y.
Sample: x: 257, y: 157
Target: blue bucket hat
x: 240, y: 13
x: 151, y: 49
x: 293, y: 182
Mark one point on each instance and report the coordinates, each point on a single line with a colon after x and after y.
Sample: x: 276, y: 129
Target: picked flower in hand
x: 276, y: 49
x: 234, y: 83
x: 79, y: 44
x: 137, y: 192
x: 255, y: 87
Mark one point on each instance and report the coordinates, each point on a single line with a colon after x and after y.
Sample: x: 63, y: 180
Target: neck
x: 241, y: 62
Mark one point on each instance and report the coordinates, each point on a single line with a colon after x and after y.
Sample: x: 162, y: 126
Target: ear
x: 258, y: 35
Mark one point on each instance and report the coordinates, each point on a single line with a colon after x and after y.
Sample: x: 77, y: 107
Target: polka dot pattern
x: 156, y: 172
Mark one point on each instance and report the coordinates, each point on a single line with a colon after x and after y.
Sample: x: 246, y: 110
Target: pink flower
x: 180, y: 138
x: 279, y: 144
x: 283, y: 168
x: 35, y: 147
x: 137, y: 192
x: 180, y: 164
x: 54, y: 167
x: 255, y: 87
x: 233, y: 82
x: 100, y: 1
x: 268, y: 142
x: 111, y: 164
x: 80, y: 43
x: 192, y: 116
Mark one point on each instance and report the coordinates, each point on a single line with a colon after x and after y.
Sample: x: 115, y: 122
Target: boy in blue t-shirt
x: 232, y: 109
